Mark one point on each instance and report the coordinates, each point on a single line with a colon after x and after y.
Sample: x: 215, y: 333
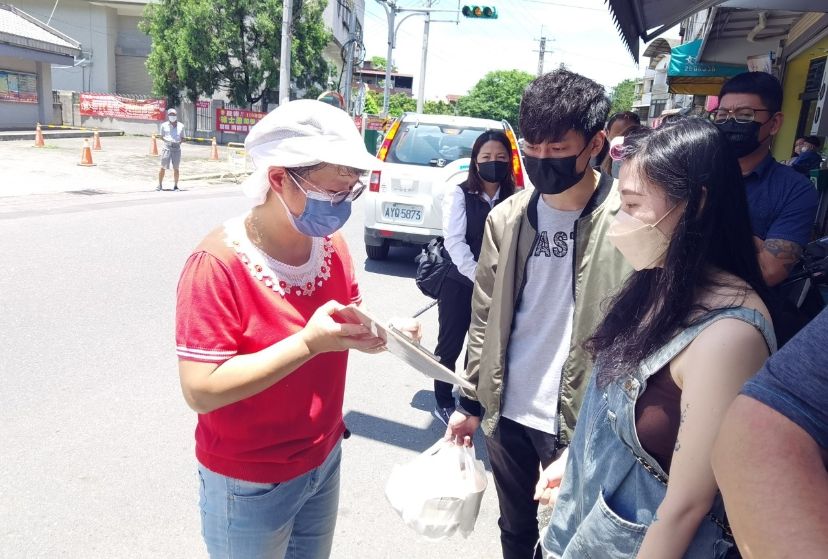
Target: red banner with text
x: 115, y: 106
x: 237, y: 121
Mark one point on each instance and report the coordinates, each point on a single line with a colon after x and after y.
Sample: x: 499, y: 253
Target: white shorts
x: 170, y: 158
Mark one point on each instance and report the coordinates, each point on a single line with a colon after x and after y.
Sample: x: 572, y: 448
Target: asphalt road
x: 96, y: 442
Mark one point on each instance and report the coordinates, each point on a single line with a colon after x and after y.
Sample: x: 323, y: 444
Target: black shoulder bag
x: 433, y: 263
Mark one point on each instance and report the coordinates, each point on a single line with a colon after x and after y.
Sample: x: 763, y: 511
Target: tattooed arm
x: 777, y: 258
x: 710, y: 373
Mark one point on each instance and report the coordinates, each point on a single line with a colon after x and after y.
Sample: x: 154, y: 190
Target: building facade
x: 28, y: 49
x: 114, y: 50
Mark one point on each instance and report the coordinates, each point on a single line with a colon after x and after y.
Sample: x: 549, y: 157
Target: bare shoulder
x: 729, y: 344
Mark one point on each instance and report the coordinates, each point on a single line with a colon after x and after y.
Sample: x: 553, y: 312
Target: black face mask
x: 553, y: 175
x: 493, y: 171
x: 743, y: 137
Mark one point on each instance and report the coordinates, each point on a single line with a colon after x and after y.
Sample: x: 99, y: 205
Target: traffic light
x: 483, y: 12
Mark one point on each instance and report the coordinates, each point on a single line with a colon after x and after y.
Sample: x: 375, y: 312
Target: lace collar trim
x: 282, y: 278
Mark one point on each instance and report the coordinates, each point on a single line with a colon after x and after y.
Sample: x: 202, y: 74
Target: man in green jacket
x: 543, y: 272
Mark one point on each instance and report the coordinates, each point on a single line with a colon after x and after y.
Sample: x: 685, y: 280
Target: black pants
x: 515, y: 452
x: 454, y: 317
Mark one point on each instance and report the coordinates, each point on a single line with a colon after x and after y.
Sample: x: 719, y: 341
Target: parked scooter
x: 807, y: 286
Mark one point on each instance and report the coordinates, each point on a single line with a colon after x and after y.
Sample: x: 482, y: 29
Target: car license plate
x: 402, y: 213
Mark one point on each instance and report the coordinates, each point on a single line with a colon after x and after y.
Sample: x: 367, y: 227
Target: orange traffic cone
x: 214, y: 152
x: 39, y: 143
x: 96, y: 143
x: 154, y: 147
x: 86, y: 155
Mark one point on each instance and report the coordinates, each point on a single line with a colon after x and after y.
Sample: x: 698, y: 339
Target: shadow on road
x: 405, y: 436
x: 400, y: 263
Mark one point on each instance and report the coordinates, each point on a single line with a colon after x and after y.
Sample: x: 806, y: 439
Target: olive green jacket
x: 598, y: 271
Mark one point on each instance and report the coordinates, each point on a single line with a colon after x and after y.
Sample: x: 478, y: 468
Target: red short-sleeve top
x: 234, y: 300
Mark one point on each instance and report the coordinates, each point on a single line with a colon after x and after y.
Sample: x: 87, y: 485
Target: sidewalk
x: 124, y: 166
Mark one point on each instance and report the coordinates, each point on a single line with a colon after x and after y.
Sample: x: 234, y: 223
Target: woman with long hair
x: 688, y: 328
x: 491, y: 180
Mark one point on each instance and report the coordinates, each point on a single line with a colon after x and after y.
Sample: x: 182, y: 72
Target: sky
x: 580, y: 33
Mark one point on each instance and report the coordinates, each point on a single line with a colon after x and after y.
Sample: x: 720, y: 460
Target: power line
x: 558, y: 4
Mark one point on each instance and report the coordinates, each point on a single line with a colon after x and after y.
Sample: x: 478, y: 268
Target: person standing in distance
x: 782, y: 202
x: 172, y: 134
x: 537, y: 297
x: 261, y: 357
x: 465, y: 208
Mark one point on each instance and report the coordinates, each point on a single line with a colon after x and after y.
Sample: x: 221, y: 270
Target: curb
x: 58, y: 134
x: 229, y: 174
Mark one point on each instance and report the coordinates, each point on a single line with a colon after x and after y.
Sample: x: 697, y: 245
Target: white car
x: 423, y: 154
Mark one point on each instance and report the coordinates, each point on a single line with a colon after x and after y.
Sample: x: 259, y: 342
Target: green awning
x: 687, y: 75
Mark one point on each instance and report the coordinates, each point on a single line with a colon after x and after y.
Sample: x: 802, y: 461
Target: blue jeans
x: 294, y: 519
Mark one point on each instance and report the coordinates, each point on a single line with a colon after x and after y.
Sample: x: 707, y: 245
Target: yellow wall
x: 793, y: 83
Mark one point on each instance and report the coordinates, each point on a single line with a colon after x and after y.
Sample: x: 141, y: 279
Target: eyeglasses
x: 742, y: 115
x: 335, y: 198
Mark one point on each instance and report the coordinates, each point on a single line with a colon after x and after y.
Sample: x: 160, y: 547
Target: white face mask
x: 173, y: 118
x: 641, y: 244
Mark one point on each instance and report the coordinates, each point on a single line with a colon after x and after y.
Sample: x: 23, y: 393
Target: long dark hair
x: 474, y: 184
x: 692, y: 162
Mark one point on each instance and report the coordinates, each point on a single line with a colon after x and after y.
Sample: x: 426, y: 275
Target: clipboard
x: 399, y: 344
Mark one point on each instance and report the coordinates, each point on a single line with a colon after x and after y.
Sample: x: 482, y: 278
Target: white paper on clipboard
x: 403, y: 347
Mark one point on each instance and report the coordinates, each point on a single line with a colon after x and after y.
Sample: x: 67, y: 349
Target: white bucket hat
x: 302, y: 133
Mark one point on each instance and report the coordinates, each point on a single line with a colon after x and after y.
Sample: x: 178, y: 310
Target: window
x: 816, y: 68
x: 656, y: 108
x: 426, y: 144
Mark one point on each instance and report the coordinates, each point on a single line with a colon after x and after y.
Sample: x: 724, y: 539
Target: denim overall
x: 612, y: 486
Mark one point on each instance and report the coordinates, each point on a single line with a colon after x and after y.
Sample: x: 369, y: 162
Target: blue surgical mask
x: 320, y: 218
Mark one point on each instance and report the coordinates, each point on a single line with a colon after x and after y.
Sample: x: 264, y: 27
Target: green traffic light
x: 482, y: 12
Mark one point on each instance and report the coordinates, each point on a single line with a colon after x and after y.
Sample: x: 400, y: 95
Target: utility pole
x: 541, y: 52
x: 349, y: 66
x: 284, y: 62
x: 391, y: 11
x: 421, y: 87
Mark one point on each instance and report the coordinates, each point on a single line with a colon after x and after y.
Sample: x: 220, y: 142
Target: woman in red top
x: 261, y: 358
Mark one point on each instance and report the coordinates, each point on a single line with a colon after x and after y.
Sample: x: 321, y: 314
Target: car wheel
x: 377, y: 252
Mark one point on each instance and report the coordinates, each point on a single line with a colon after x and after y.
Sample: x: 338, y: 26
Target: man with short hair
x: 771, y: 454
x: 782, y: 202
x: 543, y: 271
x: 172, y: 134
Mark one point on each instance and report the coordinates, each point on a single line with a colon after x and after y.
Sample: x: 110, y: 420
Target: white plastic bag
x: 440, y: 491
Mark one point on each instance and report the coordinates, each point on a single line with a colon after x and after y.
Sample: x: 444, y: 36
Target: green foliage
x: 378, y: 62
x: 623, y: 96
x: 496, y: 96
x: 438, y: 108
x: 373, y: 103
x: 201, y: 46
x: 400, y: 103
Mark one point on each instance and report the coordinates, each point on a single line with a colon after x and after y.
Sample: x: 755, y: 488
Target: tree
x: 438, y: 108
x: 496, y: 96
x: 201, y: 46
x: 373, y: 103
x: 400, y: 103
x: 379, y: 63
x: 623, y: 96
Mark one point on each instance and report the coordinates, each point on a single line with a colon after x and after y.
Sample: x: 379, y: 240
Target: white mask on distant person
x: 173, y: 118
